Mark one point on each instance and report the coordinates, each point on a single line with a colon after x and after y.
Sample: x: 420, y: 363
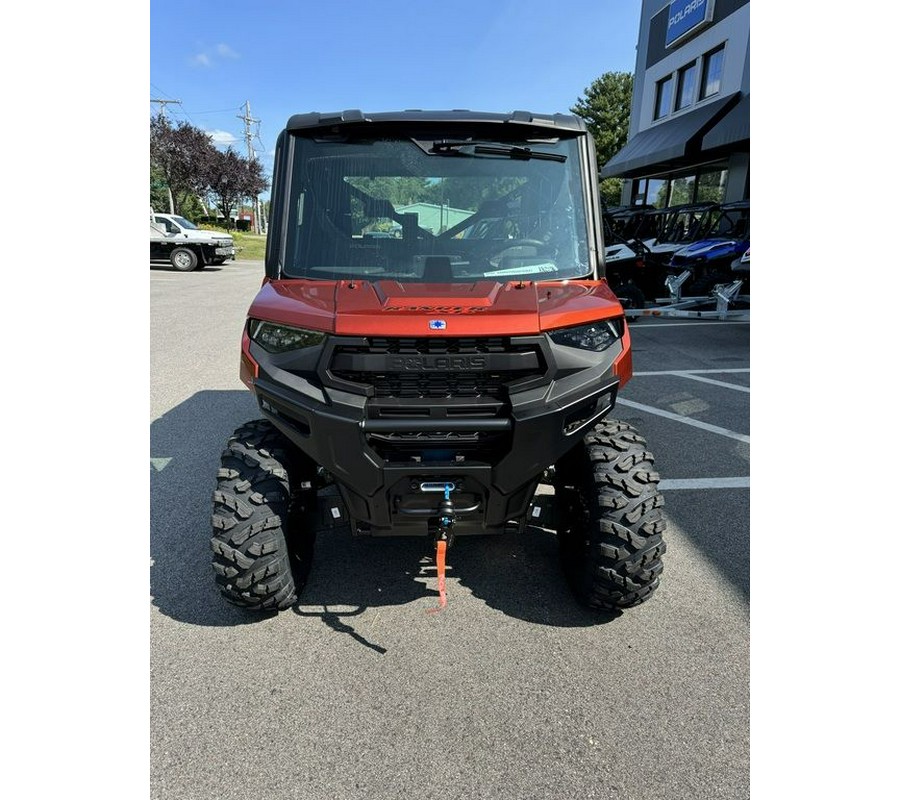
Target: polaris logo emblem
x: 438, y: 363
x: 437, y: 324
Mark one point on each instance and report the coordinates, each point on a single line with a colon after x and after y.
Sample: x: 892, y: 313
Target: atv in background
x: 741, y: 266
x: 626, y: 264
x: 660, y: 232
x: 642, y: 227
x: 434, y: 378
x: 669, y: 229
x: 709, y: 259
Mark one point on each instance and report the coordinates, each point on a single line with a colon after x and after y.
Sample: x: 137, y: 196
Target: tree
x: 231, y: 178
x: 606, y: 109
x: 180, y: 156
x: 159, y: 194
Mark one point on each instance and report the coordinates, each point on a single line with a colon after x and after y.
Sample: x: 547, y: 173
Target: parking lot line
x: 691, y: 371
x: 660, y: 412
x: 632, y: 328
x: 712, y: 381
x: 742, y: 482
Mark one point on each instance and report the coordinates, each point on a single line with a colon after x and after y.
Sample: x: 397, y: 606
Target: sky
x: 286, y: 57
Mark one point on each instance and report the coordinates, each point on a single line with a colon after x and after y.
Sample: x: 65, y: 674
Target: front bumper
x: 371, y: 428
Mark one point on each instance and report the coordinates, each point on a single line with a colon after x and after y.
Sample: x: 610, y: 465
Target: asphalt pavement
x: 513, y: 691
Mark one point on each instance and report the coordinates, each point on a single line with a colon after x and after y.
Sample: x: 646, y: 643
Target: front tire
x: 263, y: 519
x: 183, y: 259
x: 611, y: 527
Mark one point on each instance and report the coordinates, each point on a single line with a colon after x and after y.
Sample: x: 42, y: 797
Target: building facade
x: 689, y: 134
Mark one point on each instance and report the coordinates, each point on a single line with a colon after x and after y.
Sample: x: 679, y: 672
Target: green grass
x: 249, y: 246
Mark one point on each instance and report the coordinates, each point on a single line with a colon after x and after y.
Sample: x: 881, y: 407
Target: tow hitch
x: 443, y: 538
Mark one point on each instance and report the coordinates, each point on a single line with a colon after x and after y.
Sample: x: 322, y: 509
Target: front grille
x: 433, y: 385
x: 431, y: 382
x: 437, y: 379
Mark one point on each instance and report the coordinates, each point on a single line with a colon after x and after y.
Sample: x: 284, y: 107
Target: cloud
x: 209, y: 57
x: 222, y: 138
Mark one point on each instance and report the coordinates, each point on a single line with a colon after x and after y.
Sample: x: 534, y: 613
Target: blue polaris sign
x: 685, y: 16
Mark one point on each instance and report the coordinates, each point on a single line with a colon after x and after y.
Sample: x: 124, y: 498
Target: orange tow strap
x: 441, y: 561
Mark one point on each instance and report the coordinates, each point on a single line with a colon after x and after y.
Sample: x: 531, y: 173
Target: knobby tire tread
x: 611, y: 543
x: 259, y: 558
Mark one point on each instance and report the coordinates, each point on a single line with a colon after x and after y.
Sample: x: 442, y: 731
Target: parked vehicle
x: 627, y: 222
x: 438, y: 378
x: 177, y: 240
x: 651, y: 235
x: 709, y: 259
x: 670, y: 229
x: 625, y: 266
x: 641, y: 228
x: 742, y: 265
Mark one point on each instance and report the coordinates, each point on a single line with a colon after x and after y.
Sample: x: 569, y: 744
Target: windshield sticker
x: 525, y: 269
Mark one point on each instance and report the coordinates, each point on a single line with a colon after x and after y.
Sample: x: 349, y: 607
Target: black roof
x: 355, y: 118
x: 667, y: 145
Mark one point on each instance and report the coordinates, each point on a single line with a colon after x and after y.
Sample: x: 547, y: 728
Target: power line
x: 251, y: 155
x: 163, y: 104
x: 248, y: 135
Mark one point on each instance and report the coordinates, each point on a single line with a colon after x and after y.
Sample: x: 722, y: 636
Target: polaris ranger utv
x: 435, y: 337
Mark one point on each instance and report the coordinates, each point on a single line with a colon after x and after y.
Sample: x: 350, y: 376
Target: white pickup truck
x: 186, y: 247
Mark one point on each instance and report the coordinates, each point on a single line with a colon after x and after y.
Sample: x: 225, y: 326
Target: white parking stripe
x: 696, y: 423
x: 704, y: 483
x: 694, y: 376
x: 690, y: 371
x: 736, y: 386
x: 717, y: 322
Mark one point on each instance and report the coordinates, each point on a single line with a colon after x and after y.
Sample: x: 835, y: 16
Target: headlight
x: 596, y: 336
x: 280, y: 338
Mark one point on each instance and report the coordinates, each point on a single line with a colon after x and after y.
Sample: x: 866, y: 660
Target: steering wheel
x: 495, y: 250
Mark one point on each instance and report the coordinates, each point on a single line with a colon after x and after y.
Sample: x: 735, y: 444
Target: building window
x: 650, y: 191
x: 682, y: 190
x: 711, y: 81
x: 703, y: 186
x: 663, y: 97
x: 711, y: 186
x: 687, y: 79
x: 656, y: 191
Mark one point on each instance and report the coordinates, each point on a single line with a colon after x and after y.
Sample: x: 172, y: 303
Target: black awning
x: 732, y: 128
x: 668, y: 144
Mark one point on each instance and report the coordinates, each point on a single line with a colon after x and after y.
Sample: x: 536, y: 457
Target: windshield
x: 732, y: 223
x: 686, y: 225
x: 436, y: 211
x: 186, y: 223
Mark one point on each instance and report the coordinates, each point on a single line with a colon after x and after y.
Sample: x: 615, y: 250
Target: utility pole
x: 251, y: 155
x: 162, y: 113
x: 163, y: 104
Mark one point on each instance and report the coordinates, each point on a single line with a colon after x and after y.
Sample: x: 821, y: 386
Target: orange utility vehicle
x: 435, y: 337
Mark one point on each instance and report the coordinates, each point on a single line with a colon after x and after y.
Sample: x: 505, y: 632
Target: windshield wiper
x: 510, y: 151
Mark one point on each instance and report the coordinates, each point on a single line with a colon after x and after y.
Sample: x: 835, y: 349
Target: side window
x: 711, y: 79
x: 663, y: 98
x: 687, y: 77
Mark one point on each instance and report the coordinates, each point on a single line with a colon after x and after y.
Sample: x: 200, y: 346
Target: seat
x: 437, y: 270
